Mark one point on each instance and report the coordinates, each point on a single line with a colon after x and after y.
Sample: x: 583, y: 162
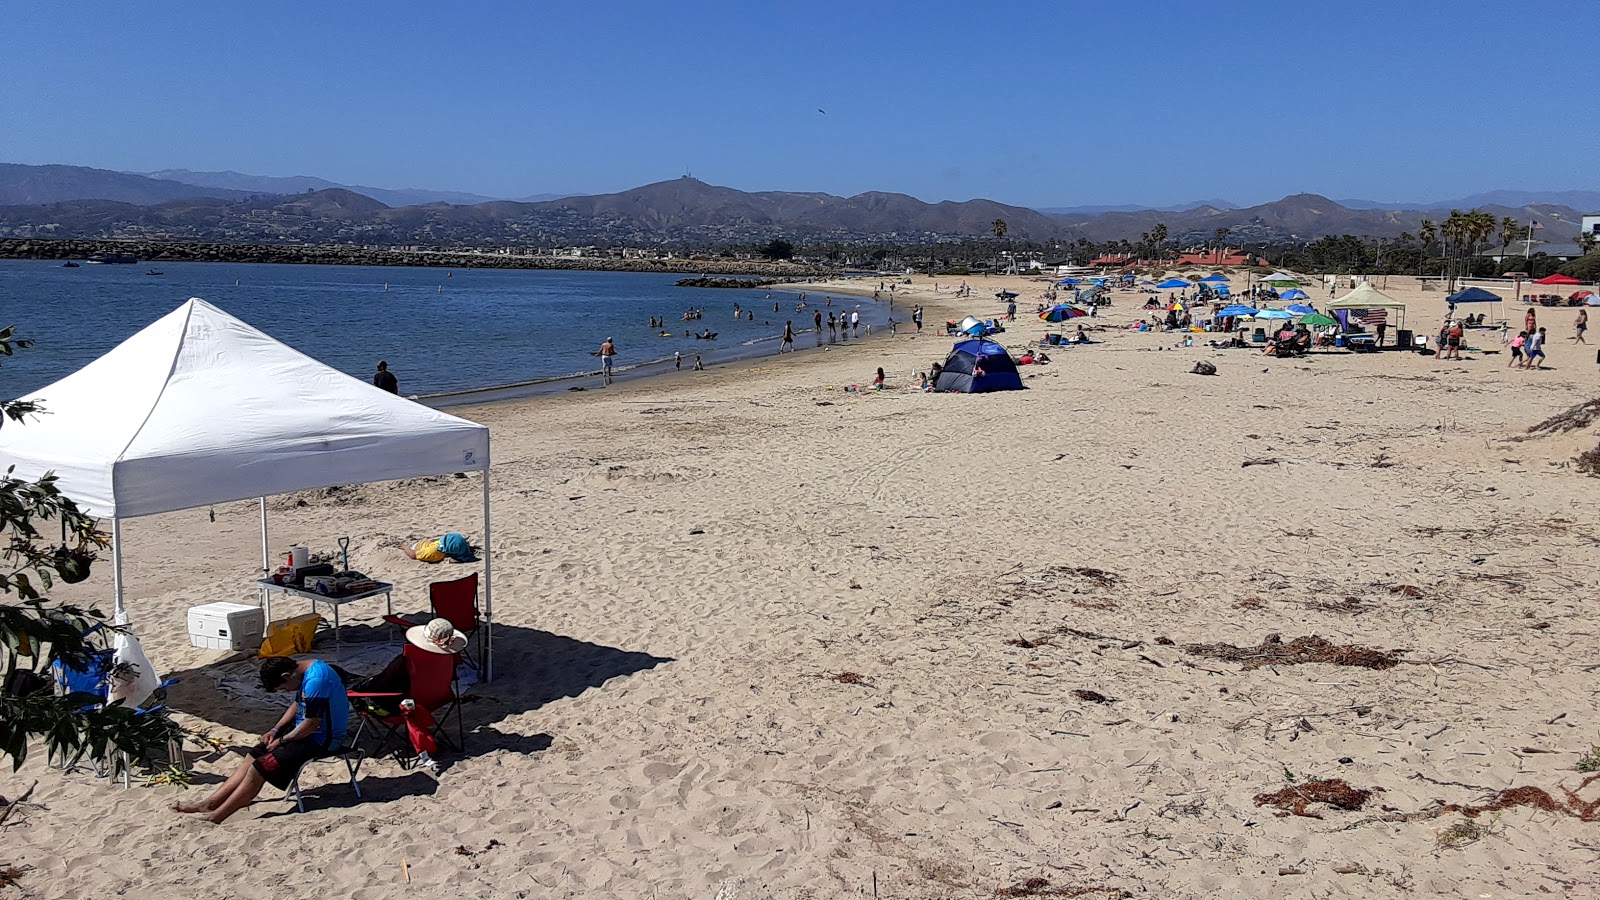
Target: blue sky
x: 1034, y: 103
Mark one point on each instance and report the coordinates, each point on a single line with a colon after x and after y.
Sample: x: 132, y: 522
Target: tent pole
x: 265, y: 562
x: 116, y: 563
x: 488, y: 589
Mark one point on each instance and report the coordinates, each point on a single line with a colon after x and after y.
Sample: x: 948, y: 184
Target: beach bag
x: 1203, y: 368
x: 132, y: 679
x: 287, y: 637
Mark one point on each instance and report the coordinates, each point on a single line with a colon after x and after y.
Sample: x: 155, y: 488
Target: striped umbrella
x: 1061, y: 312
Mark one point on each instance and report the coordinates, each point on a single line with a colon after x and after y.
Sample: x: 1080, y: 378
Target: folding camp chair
x: 95, y: 679
x: 432, y: 685
x: 350, y: 754
x: 457, y: 601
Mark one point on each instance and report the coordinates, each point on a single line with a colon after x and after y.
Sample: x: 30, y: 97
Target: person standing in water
x: 788, y: 338
x: 608, y: 350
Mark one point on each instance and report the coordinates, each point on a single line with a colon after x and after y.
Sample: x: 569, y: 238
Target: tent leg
x: 265, y: 560
x: 116, y: 563
x: 488, y: 588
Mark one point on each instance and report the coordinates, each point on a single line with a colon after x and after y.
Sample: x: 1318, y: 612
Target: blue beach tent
x: 969, y: 358
x: 1174, y: 284
x: 1215, y: 278
x: 1472, y: 295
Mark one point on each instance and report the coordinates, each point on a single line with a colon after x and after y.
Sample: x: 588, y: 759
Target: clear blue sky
x: 1034, y: 103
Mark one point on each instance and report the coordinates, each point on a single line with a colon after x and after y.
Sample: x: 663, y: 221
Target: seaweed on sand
x: 1307, y: 649
x: 1297, y: 798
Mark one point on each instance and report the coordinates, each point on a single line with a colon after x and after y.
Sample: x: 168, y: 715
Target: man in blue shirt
x: 319, y: 715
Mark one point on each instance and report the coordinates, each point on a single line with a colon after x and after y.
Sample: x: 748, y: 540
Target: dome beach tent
x: 200, y: 408
x: 967, y: 358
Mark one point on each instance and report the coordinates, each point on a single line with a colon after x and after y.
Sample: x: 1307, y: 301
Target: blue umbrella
x: 1068, y: 281
x: 1300, y: 309
x: 1215, y: 278
x: 1274, y: 314
x: 1293, y: 294
x: 1174, y: 283
x: 1237, y: 310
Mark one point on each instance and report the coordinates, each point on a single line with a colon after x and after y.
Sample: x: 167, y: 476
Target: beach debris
x: 855, y: 585
x: 1381, y: 461
x: 11, y: 876
x: 1024, y: 643
x: 697, y: 531
x: 1203, y: 368
x: 1461, y: 834
x: 1307, y: 649
x: 171, y: 775
x: 1041, y: 887
x: 1570, y: 803
x: 1588, y: 462
x: 1405, y: 590
x: 1589, y: 762
x: 1092, y: 696
x: 845, y: 678
x: 1296, y: 799
x: 1260, y: 461
x: 1574, y: 418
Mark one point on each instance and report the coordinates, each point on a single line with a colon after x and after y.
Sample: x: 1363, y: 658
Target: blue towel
x: 456, y: 547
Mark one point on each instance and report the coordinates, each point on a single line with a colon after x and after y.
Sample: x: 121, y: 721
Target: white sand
x: 664, y: 723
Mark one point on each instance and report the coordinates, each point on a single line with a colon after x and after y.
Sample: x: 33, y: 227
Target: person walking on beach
x: 677, y: 360
x: 788, y: 338
x: 1535, y: 350
x: 1579, y: 326
x: 1530, y: 323
x: 833, y: 328
x: 698, y: 365
x: 855, y: 322
x: 607, y: 351
x: 385, y: 379
x: 1516, y: 349
x: 916, y: 316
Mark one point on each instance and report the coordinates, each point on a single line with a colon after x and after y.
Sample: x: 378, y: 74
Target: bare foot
x: 194, y: 807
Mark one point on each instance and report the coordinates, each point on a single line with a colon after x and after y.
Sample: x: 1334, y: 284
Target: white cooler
x: 226, y: 626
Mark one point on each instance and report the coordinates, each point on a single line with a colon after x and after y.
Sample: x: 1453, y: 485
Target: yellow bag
x: 289, y: 636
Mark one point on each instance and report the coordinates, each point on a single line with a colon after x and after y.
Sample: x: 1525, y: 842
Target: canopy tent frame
x: 155, y: 448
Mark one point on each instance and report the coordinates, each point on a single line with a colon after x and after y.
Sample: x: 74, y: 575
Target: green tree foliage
x: 1585, y: 268
x: 777, y: 248
x: 35, y: 631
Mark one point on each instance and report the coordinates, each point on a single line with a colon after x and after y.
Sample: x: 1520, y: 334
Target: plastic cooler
x: 226, y: 626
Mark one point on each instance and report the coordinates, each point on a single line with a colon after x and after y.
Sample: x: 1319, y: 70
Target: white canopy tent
x: 200, y: 408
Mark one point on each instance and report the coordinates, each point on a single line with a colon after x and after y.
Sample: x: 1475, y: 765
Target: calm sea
x: 442, y: 331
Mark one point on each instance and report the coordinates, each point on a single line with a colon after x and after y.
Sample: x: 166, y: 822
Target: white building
x: 1591, y: 225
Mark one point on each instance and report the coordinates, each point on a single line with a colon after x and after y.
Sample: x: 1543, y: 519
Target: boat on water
x: 111, y: 259
x: 154, y: 272
x: 69, y: 264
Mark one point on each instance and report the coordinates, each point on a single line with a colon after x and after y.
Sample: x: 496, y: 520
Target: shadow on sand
x: 532, y: 668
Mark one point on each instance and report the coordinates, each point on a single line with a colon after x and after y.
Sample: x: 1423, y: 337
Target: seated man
x: 320, y: 715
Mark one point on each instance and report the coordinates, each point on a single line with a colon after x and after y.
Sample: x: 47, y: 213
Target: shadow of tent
x: 532, y: 668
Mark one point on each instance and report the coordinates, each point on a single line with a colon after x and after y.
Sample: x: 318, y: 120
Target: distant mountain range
x: 37, y: 201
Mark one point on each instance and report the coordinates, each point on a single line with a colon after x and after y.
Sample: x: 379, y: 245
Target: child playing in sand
x: 1516, y: 348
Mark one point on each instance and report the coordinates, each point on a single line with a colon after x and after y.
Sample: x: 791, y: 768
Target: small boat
x: 111, y: 259
x: 69, y: 264
x: 154, y: 272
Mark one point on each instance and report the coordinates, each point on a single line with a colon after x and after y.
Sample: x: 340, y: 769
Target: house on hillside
x: 1217, y: 258
x: 1562, y: 252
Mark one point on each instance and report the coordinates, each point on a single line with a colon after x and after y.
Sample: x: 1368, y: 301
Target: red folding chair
x: 432, y: 680
x: 457, y: 601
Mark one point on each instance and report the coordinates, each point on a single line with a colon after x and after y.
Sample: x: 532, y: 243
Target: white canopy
x: 201, y: 408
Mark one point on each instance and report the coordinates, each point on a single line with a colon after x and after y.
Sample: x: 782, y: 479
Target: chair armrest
x: 399, y: 620
x: 370, y: 694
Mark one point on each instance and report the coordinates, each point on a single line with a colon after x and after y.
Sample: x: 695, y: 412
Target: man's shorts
x: 280, y: 764
x: 605, y: 363
x: 1453, y: 342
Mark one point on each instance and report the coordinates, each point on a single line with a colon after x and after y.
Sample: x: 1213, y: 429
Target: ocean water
x: 441, y: 331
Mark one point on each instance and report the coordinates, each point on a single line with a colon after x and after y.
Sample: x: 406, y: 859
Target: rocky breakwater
x: 334, y: 255
x: 707, y: 281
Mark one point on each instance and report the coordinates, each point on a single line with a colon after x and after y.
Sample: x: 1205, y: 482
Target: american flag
x: 1372, y: 318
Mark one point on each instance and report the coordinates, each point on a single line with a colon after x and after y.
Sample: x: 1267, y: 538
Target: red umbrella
x: 1558, y: 278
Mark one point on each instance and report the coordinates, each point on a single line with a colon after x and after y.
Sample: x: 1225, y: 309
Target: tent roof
x: 1365, y: 296
x: 980, y: 347
x: 1472, y: 295
x: 201, y: 408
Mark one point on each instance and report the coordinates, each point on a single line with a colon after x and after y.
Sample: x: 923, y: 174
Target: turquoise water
x: 440, y: 331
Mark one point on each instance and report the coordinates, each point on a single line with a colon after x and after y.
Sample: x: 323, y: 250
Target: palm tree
x: 1222, y: 236
x: 998, y: 226
x: 1586, y: 242
x: 1159, y: 235
x: 1508, y: 233
x: 1426, y: 232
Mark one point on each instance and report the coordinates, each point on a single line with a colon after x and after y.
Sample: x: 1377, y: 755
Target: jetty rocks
x: 708, y: 281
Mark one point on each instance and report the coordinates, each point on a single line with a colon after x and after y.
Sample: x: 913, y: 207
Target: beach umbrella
x: 1557, y: 278
x: 1173, y: 283
x: 1061, y: 312
x: 1300, y: 309
x: 1069, y: 281
x: 1178, y: 307
x: 1293, y: 294
x: 1147, y: 282
x: 1238, y: 310
x: 1270, y: 313
x: 1590, y: 298
x: 1318, y: 320
x: 1006, y: 295
x: 1215, y: 278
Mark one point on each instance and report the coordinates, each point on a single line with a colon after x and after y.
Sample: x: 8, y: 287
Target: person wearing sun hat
x: 438, y: 636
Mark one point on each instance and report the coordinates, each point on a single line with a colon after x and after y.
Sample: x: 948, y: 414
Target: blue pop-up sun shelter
x: 979, y: 366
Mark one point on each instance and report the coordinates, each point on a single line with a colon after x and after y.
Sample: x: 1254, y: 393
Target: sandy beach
x: 759, y: 636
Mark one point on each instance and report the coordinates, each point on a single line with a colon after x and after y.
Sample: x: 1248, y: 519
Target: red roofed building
x: 1200, y: 258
